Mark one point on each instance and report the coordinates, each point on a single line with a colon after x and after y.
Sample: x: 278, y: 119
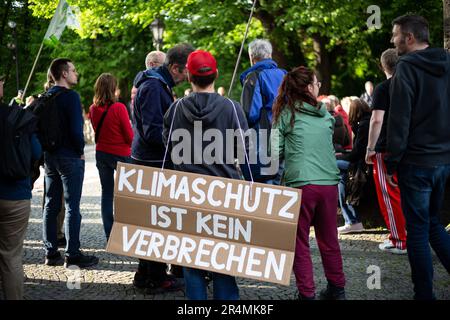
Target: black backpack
x: 16, y: 128
x: 50, y: 132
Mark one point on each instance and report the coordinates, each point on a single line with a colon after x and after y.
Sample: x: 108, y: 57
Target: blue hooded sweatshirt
x: 260, y: 87
x: 153, y: 99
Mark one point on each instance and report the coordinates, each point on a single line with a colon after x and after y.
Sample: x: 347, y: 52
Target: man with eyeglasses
x: 153, y: 98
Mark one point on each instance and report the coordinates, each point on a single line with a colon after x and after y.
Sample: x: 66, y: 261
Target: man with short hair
x: 418, y: 145
x: 388, y: 196
x: 367, y: 96
x: 64, y: 170
x: 213, y: 113
x: 153, y: 99
x: 154, y: 59
x: 260, y: 87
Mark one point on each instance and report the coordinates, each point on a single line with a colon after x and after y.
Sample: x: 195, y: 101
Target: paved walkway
x: 112, y: 277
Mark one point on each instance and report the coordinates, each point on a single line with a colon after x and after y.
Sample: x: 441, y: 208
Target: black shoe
x: 305, y: 298
x: 170, y: 284
x: 62, y: 242
x: 332, y: 293
x: 141, y: 280
x: 54, y: 259
x: 81, y: 260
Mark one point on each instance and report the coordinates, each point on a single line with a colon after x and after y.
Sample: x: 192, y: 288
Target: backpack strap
x: 100, y: 124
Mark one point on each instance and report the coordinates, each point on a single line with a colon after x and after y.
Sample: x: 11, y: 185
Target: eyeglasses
x: 318, y: 83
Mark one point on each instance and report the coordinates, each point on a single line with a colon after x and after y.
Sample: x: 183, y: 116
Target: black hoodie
x: 419, y: 118
x: 210, y: 111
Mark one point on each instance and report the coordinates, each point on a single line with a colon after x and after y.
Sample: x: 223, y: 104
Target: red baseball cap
x: 201, y: 63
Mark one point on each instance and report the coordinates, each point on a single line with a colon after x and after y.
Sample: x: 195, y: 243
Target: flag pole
x: 32, y: 70
x: 242, y: 48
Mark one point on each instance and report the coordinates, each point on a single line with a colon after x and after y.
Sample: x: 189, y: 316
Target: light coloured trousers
x: 13, y: 226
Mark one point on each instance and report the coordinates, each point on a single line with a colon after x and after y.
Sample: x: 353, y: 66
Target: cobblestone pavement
x: 112, y: 277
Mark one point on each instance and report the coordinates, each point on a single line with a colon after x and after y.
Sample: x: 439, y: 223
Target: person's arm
x: 125, y: 125
x: 76, y: 121
x: 251, y: 99
x: 36, y: 149
x: 277, y: 140
x: 149, y: 99
x: 402, y: 99
x: 168, y: 118
x: 376, y: 123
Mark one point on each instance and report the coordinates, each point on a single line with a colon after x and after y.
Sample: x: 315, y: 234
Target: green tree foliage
x: 331, y: 36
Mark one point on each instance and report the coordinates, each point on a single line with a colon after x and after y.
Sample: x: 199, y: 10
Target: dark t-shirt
x: 381, y: 101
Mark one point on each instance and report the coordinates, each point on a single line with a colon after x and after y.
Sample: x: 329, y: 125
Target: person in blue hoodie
x: 153, y: 98
x: 260, y: 85
x: 418, y: 145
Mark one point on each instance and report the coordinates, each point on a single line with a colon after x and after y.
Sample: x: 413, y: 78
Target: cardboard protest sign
x: 205, y: 222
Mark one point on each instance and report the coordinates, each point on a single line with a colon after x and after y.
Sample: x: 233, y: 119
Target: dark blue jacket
x: 153, y: 99
x: 72, y: 123
x: 21, y: 189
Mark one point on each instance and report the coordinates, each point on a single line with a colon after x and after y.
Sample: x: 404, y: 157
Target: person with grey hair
x: 388, y: 196
x: 260, y: 87
x: 155, y: 59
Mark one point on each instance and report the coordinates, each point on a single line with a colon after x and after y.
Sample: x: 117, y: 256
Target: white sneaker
x: 351, y: 228
x: 388, y: 246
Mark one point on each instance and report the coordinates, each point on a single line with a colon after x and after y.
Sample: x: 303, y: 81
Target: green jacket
x: 307, y: 147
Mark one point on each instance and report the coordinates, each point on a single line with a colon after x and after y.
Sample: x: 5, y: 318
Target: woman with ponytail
x: 303, y: 136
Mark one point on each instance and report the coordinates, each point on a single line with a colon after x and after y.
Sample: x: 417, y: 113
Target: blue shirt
x: 72, y: 123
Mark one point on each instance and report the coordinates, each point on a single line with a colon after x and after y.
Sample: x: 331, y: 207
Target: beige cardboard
x: 265, y: 233
x: 278, y: 210
x: 265, y: 215
x: 260, y: 269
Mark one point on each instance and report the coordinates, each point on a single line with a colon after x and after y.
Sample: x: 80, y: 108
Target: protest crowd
x: 286, y: 140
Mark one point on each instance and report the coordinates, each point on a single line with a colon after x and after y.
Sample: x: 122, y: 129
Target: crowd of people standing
x: 400, y: 129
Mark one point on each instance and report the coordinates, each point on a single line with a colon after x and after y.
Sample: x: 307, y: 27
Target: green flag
x: 64, y: 16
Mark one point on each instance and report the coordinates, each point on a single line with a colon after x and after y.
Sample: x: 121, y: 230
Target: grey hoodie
x: 419, y: 118
x: 192, y: 116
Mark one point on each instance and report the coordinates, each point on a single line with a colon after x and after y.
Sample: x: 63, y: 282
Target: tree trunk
x: 323, y: 67
x: 446, y: 4
x: 276, y: 37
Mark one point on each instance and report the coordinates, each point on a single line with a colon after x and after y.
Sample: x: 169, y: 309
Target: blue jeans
x: 348, y: 212
x: 106, y: 165
x: 62, y: 175
x: 422, y: 192
x: 225, y: 287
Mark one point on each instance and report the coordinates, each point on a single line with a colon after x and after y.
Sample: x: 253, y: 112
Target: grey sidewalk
x: 112, y: 277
